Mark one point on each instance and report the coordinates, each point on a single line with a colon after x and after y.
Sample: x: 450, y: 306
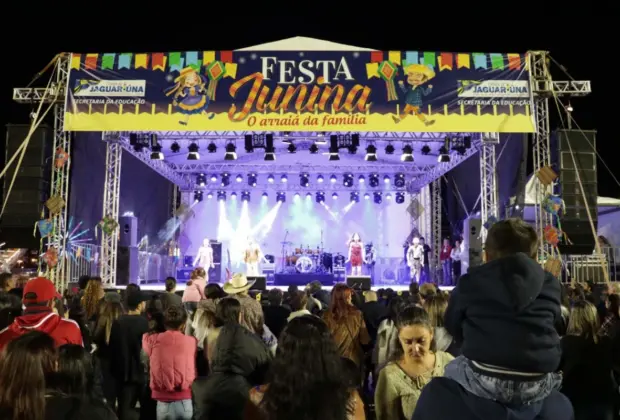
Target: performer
x: 356, y: 254
x: 251, y: 257
x: 415, y: 259
x: 204, y: 258
x: 370, y: 260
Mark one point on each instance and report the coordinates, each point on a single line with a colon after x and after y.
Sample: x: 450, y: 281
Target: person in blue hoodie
x: 504, y: 314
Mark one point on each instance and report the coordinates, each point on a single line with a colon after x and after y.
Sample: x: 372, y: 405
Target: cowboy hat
x: 238, y: 284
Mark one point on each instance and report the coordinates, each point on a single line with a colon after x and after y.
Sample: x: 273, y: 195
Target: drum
x: 291, y: 259
x: 308, y: 251
x: 298, y: 251
x: 304, y: 264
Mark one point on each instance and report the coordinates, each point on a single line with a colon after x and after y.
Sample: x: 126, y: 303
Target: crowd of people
x: 509, y: 342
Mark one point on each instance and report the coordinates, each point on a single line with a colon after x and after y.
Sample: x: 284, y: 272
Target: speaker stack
x: 127, y: 261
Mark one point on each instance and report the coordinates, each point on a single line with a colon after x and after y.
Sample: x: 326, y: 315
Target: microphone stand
x: 283, y: 263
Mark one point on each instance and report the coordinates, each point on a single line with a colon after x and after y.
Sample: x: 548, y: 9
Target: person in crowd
x: 455, y: 257
x: 8, y: 309
x: 387, y: 334
x: 110, y: 311
x: 313, y: 304
x: 587, y: 361
x: 24, y: 364
x: 415, y: 297
x: 290, y: 291
x: 72, y: 391
x: 374, y: 312
x: 214, y: 291
x: 444, y: 257
x: 427, y: 290
x: 125, y: 346
x: 93, y: 296
x: 251, y: 310
x: 78, y: 314
x: 308, y: 378
x: 239, y: 360
x: 298, y: 303
x: 412, y: 365
x: 172, y: 360
x: 39, y: 299
x: 316, y: 291
x: 436, y: 306
x: 170, y: 298
x: 504, y: 314
x: 611, y: 321
x: 276, y: 315
x: 194, y: 292
x: 270, y: 340
x: 7, y: 283
x: 347, y: 325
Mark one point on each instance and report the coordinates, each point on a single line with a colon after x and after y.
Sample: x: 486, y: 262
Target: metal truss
x: 562, y: 88
x: 427, y: 213
x: 436, y: 210
x: 488, y: 180
x: 36, y: 95
x: 431, y: 173
x: 111, y: 198
x: 293, y: 186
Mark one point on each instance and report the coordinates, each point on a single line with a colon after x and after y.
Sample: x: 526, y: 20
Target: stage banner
x: 299, y: 91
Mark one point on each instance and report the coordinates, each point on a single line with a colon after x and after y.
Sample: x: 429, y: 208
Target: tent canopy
x: 302, y: 43
x: 530, y: 195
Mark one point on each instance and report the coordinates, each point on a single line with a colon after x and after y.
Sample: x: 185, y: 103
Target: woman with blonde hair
x: 92, y: 298
x: 586, y: 365
x: 436, y: 306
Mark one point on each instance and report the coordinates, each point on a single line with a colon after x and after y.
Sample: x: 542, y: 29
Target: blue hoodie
x: 504, y: 314
x: 463, y: 405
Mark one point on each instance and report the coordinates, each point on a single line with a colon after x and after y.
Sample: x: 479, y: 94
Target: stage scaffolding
x: 541, y: 85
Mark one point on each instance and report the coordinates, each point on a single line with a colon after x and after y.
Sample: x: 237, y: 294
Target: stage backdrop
x: 300, y: 221
x: 299, y: 91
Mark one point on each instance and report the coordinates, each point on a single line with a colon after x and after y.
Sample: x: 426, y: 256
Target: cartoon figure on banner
x: 190, y: 94
x: 417, y: 75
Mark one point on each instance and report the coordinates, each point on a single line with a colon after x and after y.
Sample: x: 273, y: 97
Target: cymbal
x: 286, y: 243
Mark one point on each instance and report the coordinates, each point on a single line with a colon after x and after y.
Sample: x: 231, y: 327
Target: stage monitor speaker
x: 577, y: 162
x: 31, y: 188
x: 127, y: 265
x: 472, y: 245
x: 359, y: 282
x: 260, y: 283
x: 128, y: 231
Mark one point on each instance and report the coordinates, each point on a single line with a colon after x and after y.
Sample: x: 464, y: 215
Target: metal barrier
x: 83, y: 261
x: 592, y: 267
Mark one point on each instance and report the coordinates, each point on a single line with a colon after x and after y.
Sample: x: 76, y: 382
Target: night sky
x: 581, y: 52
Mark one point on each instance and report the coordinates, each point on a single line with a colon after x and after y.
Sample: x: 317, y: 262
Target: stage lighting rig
x: 225, y: 179
x: 209, y: 195
x: 371, y: 153
x: 265, y: 196
x: 386, y: 179
x: 373, y: 180
x: 444, y: 151
x: 197, y: 196
x: 313, y: 149
x: 389, y: 149
x: 333, y: 179
x: 320, y: 197
x: 377, y: 197
x: 270, y: 179
x: 347, y: 180
x: 355, y: 197
x: 308, y: 196
x: 213, y: 178
x: 239, y: 178
x: 304, y: 180
x: 361, y: 179
x: 221, y: 196
x: 252, y: 180
x: 407, y: 155
x: 335, y: 196
x: 201, y: 180
x: 388, y: 196
x: 426, y: 150
x: 320, y: 179
x: 400, y: 198
x: 231, y: 152
x: 175, y: 147
x: 366, y: 196
x: 284, y: 179
x: 291, y: 148
x: 211, y: 148
x: 156, y: 153
x: 399, y: 180
x: 233, y: 195
x: 193, y: 152
x: 281, y: 197
x: 245, y: 196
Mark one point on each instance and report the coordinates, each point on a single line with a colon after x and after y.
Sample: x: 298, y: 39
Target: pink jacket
x: 172, y: 361
x: 195, y: 292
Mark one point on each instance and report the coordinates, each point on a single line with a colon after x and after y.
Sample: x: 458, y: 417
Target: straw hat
x: 238, y: 284
x: 421, y: 68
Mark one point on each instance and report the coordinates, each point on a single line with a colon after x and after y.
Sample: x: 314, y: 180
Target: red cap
x: 40, y: 290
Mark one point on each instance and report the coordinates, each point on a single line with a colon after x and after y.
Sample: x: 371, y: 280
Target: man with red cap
x: 39, y: 298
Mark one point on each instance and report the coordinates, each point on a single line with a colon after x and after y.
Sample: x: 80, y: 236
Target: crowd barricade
x: 592, y: 267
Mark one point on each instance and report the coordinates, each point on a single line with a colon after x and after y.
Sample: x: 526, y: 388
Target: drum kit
x: 305, y: 259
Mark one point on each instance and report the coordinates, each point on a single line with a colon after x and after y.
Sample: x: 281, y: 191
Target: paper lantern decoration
x: 387, y: 71
x: 553, y: 204
x: 61, y: 158
x: 546, y: 175
x: 45, y: 227
x: 107, y: 225
x: 552, y: 235
x: 50, y: 257
x: 55, y: 204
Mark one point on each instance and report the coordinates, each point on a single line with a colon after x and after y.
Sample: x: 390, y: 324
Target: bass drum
x: 304, y: 265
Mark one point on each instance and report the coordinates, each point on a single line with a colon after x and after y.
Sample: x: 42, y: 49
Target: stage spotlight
x: 304, y: 180
x: 211, y: 148
x: 270, y: 150
x: 386, y: 179
x: 296, y: 197
x: 425, y: 150
x: 355, y: 197
x: 252, y: 180
x: 347, y: 180
x: 270, y: 179
x: 313, y: 149
x: 265, y: 196
x: 377, y: 197
x: 308, y: 196
x: 334, y: 196
x: 225, y: 179
x: 333, y: 148
x: 201, y: 180
x: 233, y: 195
x: 239, y: 178
x: 221, y: 196
x: 400, y: 198
x: 175, y: 148
x: 245, y: 196
x: 389, y: 149
x: 388, y: 196
x: 320, y: 197
x: 231, y: 152
x: 366, y: 196
x: 373, y: 180
x: 371, y: 153
x: 156, y: 153
x: 444, y: 155
x: 284, y: 178
x: 319, y: 179
x: 281, y: 197
x: 213, y: 178
x: 193, y: 152
x: 291, y: 148
x: 407, y: 155
x: 333, y: 179
x: 209, y: 195
x: 399, y: 180
x: 197, y: 196
x: 361, y: 179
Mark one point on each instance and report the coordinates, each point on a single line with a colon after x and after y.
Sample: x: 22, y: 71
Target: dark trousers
x: 108, y: 383
x: 456, y: 268
x: 128, y: 396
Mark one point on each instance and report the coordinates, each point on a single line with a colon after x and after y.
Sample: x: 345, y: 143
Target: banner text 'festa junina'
x: 299, y: 91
